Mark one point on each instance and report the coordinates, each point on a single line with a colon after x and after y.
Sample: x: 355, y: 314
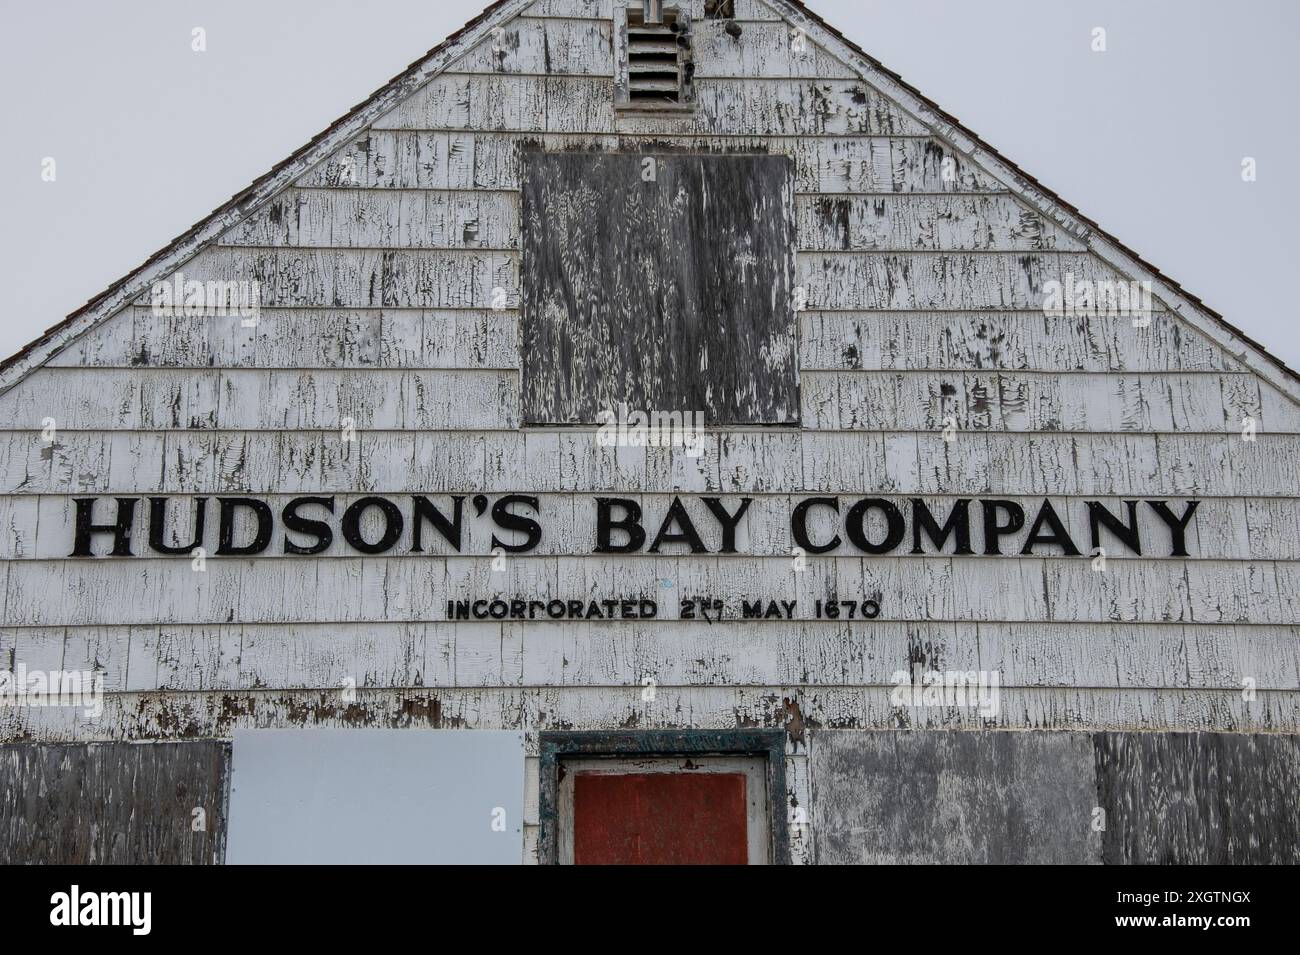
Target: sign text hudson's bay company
x: 247, y: 526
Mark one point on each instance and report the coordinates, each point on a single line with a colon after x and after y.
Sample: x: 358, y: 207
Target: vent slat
x: 653, y: 60
x: 664, y: 86
x: 651, y: 46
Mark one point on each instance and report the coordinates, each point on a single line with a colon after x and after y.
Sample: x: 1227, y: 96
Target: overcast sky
x: 1146, y: 138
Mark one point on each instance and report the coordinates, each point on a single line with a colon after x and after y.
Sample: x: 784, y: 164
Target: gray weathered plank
x: 967, y: 341
x: 251, y: 399
x: 170, y: 590
x: 853, y: 462
x: 303, y: 339
x: 752, y: 106
x: 680, y: 301
x: 182, y: 714
x: 1199, y: 798
x: 413, y: 159
x: 1022, y: 401
x: 822, y: 653
x: 113, y: 803
x: 953, y: 798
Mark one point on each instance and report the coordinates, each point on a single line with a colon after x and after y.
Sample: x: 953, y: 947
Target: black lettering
x: 993, y: 529
x: 502, y: 517
x: 352, y: 524
x: 1177, y: 525
x: 957, y: 526
x: 426, y: 510
x: 728, y: 521
x: 1058, y: 536
x: 87, y: 529
x: 606, y: 525
x: 1099, y: 516
x: 226, y: 546
x: 799, y: 524
x: 320, y: 530
x: 158, y: 526
x: 856, y: 525
x: 687, y: 535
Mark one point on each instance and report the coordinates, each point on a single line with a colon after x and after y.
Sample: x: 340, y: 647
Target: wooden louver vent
x: 656, y: 65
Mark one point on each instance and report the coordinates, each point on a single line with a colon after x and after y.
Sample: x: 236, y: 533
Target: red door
x: 659, y: 819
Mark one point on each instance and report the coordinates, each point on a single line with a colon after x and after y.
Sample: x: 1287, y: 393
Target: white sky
x: 1147, y: 138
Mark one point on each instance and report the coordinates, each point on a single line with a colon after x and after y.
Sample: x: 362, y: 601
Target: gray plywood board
x: 673, y: 292
x: 1200, y: 798
x: 113, y: 803
x: 953, y: 798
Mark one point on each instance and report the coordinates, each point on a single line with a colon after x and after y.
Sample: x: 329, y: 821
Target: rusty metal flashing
x: 556, y: 746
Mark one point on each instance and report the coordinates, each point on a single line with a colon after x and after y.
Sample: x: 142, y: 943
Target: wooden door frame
x: 557, y: 746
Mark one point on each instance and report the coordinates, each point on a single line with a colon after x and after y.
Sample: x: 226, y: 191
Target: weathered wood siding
x: 1199, y: 799
x: 954, y: 798
x: 113, y: 803
x: 924, y: 278
x: 1076, y: 798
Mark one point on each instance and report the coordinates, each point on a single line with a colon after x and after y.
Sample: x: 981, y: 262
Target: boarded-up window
x: 660, y: 281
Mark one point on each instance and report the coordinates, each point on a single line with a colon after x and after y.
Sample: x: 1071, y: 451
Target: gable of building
x: 388, y: 262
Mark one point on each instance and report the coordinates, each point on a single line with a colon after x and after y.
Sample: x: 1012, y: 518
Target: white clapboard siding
x: 357, y: 218
x: 413, y: 338
x: 302, y: 338
x: 1274, y: 528
x: 672, y: 653
x: 940, y: 223
x: 414, y: 159
x: 814, y: 461
x: 218, y: 714
x: 555, y: 46
x: 739, y: 48
x: 463, y: 219
x: 583, y: 47
x: 361, y: 278
x: 1131, y: 589
x: 1027, y: 401
x: 429, y: 278
x: 603, y: 9
x: 251, y: 399
x: 42, y: 526
x: 923, y: 281
x: 1282, y: 413
x: 964, y: 341
x: 736, y: 107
